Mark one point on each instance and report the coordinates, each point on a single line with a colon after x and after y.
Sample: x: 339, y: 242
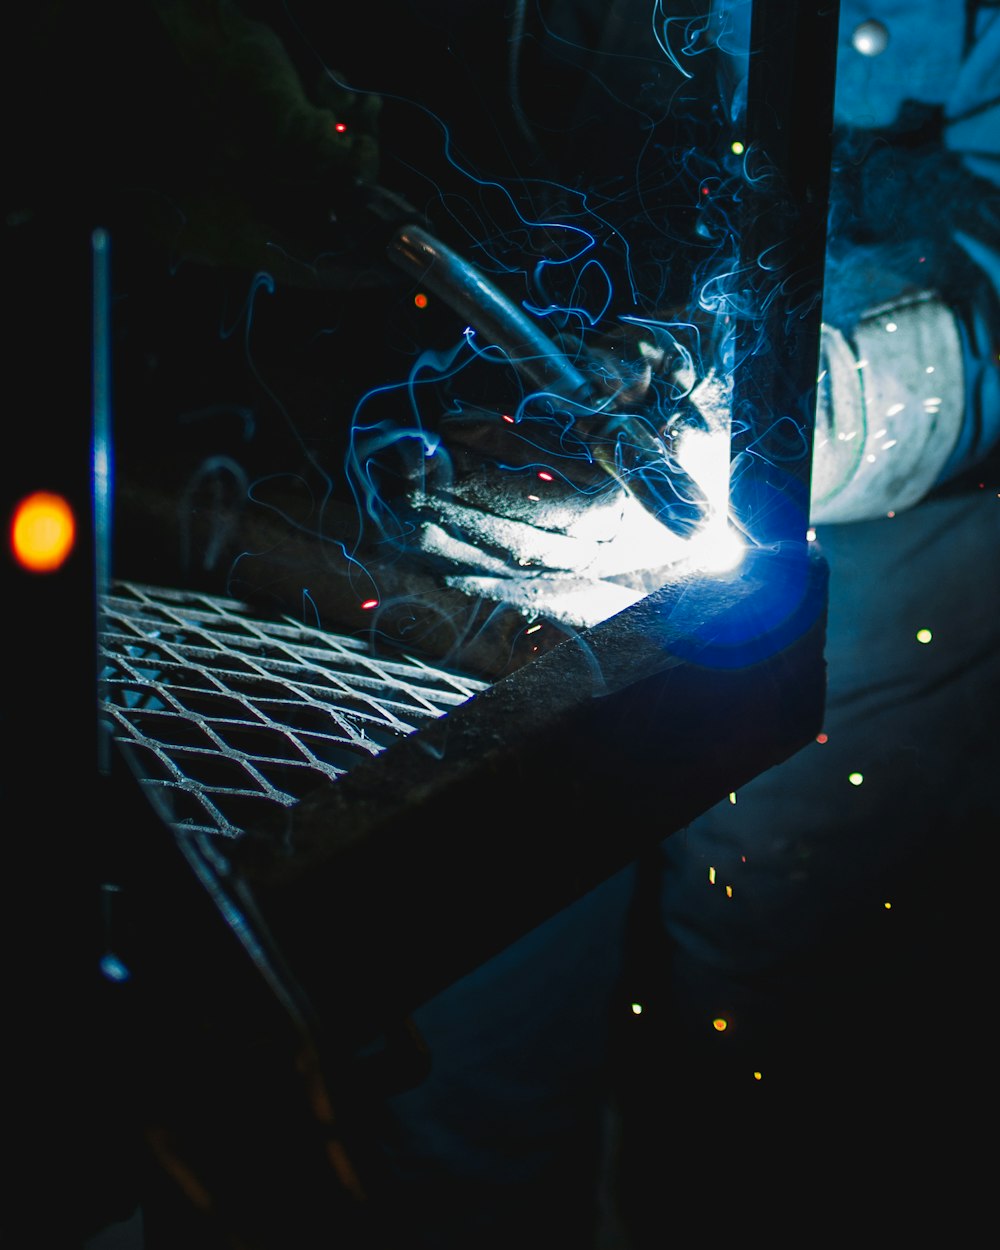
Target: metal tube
x: 469, y: 293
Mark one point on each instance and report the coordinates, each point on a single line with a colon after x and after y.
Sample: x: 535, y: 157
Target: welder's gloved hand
x: 263, y: 115
x: 284, y: 172
x: 890, y: 408
x: 569, y: 515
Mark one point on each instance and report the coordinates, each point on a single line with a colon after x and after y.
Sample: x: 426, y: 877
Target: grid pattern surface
x: 218, y: 712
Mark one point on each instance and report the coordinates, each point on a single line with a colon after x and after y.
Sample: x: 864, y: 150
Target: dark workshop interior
x: 360, y: 807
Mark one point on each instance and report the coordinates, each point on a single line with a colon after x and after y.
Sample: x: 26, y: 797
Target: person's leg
x: 826, y: 930
x: 502, y: 1144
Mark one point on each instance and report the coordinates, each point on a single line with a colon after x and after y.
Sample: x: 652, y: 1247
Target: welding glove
x: 890, y: 407
x: 569, y: 511
x: 282, y: 174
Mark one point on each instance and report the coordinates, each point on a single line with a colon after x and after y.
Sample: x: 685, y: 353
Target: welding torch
x: 625, y: 444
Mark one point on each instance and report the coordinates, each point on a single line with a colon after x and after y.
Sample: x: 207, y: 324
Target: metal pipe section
x: 490, y: 313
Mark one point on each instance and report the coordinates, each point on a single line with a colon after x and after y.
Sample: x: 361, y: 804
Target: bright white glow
x: 704, y: 456
x: 717, y: 548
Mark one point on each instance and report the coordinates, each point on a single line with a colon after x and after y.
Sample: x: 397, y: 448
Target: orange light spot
x: 42, y: 532
x: 420, y: 299
x: 757, y: 1076
x: 729, y: 891
x: 720, y: 1025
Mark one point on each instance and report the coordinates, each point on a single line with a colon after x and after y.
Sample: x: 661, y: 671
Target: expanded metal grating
x: 219, y: 712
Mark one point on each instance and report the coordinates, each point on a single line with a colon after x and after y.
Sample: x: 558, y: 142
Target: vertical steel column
x: 789, y: 119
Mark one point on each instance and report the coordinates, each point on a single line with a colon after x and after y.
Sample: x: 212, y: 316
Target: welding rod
x: 490, y: 313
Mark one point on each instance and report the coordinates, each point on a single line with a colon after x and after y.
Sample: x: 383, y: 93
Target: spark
x: 720, y: 1025
x: 420, y: 299
x: 757, y: 1076
x: 821, y: 738
x: 924, y: 635
x: 546, y: 477
x: 887, y: 906
x: 729, y: 891
x: 737, y: 148
x: 711, y: 876
x: 637, y: 1009
x: 113, y: 968
x: 856, y: 778
x: 368, y: 604
x: 533, y: 629
x: 732, y: 797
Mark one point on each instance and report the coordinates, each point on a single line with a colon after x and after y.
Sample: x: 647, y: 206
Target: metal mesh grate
x: 218, y: 712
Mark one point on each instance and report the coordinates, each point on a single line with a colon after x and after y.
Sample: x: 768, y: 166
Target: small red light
x: 546, y: 477
x: 339, y: 127
x: 420, y: 299
x: 369, y: 604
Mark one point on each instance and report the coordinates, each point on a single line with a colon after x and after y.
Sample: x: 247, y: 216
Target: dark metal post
x: 790, y: 96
